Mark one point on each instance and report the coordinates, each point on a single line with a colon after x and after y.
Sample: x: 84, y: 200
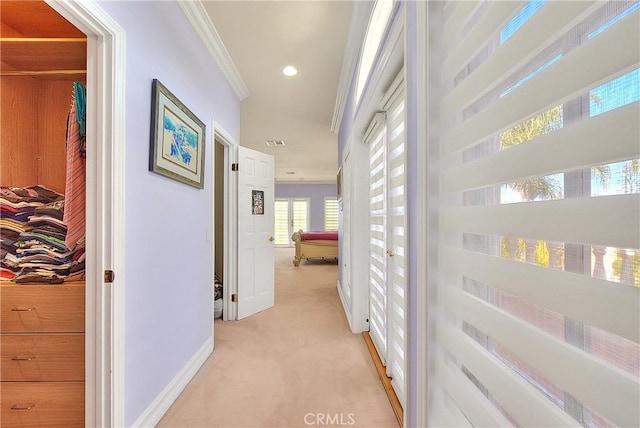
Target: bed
x: 315, y: 244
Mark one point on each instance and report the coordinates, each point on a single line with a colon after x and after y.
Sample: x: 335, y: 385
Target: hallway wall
x: 168, y: 310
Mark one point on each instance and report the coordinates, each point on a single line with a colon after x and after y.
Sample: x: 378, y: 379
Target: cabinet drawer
x: 42, y: 404
x: 42, y: 308
x: 42, y: 357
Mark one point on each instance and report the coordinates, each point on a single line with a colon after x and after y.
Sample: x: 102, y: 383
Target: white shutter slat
x: 562, y: 76
x: 515, y: 394
x: 377, y: 256
x: 479, y: 411
x: 567, y: 220
x: 281, y: 215
x: 556, y: 16
x: 580, y: 297
x: 395, y: 166
x: 498, y: 13
x: 611, y: 392
x: 551, y: 347
x: 463, y: 11
x: 566, y: 147
x: 331, y: 214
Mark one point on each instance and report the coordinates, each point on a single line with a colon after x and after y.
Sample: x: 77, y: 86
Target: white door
x: 395, y: 165
x: 387, y: 228
x: 255, y: 232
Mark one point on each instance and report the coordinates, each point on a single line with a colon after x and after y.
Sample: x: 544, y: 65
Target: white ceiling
x: 262, y: 37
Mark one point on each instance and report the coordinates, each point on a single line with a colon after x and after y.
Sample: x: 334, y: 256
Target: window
x: 539, y: 240
x: 380, y: 17
x: 291, y: 215
x: 330, y: 214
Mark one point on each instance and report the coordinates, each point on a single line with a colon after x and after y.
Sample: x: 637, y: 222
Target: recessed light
x: 289, y: 70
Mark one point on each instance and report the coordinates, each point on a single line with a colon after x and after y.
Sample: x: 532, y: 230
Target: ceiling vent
x: 275, y: 143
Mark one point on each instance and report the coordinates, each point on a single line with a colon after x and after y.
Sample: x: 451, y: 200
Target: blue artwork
x: 183, y: 141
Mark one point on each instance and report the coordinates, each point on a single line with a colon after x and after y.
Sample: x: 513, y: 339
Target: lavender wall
x: 169, y: 253
x: 315, y: 192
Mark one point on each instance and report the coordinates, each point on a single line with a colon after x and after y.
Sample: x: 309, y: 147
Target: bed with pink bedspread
x: 315, y: 244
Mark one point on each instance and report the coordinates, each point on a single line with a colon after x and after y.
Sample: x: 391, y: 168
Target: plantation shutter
x: 376, y: 139
x: 300, y: 215
x: 540, y: 214
x: 281, y: 215
x: 393, y: 104
x: 330, y: 214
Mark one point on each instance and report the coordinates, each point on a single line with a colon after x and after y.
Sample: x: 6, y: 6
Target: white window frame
x: 377, y: 29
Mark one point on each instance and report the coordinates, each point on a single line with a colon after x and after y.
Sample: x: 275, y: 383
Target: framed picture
x: 257, y: 202
x: 177, y: 139
x: 339, y: 184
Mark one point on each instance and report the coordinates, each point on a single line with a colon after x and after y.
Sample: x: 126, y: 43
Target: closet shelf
x: 33, y: 56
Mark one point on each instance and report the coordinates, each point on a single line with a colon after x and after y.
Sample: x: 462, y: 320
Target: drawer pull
x: 23, y: 358
x: 23, y: 407
x: 23, y: 309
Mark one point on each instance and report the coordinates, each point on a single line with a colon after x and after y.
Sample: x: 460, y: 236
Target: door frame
x: 104, y: 319
x: 230, y: 287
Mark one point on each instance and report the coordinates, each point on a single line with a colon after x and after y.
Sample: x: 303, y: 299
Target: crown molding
x: 357, y: 29
x: 201, y: 22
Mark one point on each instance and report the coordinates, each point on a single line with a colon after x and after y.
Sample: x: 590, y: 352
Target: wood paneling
x: 42, y: 404
x: 18, y: 144
x: 43, y: 53
x: 34, y: 121
x: 34, y: 19
x: 33, y: 55
x: 54, y: 103
x: 42, y: 357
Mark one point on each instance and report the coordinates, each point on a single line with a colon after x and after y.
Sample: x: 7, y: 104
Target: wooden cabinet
x: 42, y: 404
x: 42, y: 354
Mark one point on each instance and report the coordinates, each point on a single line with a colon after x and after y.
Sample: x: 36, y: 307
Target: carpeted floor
x: 294, y: 365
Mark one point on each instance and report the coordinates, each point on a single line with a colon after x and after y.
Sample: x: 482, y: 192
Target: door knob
x: 390, y: 253
x: 271, y: 239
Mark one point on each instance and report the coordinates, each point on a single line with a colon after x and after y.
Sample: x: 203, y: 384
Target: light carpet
x: 294, y: 365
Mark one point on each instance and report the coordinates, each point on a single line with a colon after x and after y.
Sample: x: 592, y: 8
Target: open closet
x: 42, y: 291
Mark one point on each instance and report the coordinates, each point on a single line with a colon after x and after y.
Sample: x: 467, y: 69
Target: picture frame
x: 177, y: 146
x: 339, y: 184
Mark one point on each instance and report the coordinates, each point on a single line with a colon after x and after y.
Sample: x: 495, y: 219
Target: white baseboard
x: 159, y: 406
x: 345, y: 308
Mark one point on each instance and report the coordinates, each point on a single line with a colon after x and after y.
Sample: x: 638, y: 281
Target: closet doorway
x: 43, y: 328
x: 224, y: 223
x: 101, y: 401
x: 218, y: 230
